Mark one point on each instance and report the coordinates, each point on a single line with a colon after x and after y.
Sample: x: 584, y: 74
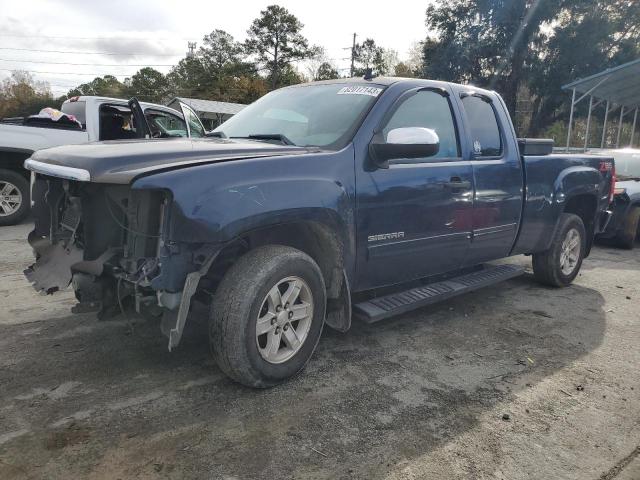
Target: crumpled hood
x: 121, y: 161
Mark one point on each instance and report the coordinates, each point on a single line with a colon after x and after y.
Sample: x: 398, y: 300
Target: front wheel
x: 560, y: 265
x: 267, y: 316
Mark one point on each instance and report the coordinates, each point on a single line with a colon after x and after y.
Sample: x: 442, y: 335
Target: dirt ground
x: 515, y: 381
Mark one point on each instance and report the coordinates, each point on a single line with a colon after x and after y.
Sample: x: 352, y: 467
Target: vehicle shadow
x: 95, y: 399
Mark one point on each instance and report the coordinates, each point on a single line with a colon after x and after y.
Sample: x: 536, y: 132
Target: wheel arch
x: 321, y: 241
x: 13, y: 159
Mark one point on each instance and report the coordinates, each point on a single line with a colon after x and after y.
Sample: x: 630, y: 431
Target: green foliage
x: 107, y: 86
x: 326, y: 71
x: 149, y: 85
x: 20, y: 96
x: 403, y: 70
x: 539, y: 45
x: 589, y: 37
x: 369, y: 55
x: 485, y: 42
x: 275, y: 39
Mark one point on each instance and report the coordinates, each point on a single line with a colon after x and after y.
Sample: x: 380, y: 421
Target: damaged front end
x: 110, y: 242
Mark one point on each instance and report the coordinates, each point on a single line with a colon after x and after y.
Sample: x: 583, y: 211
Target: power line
x: 65, y: 73
x: 81, y: 38
x: 92, y: 53
x: 91, y: 64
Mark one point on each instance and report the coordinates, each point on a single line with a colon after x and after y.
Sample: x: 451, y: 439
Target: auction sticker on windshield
x: 356, y: 90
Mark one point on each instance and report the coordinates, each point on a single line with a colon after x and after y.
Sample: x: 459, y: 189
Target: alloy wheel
x: 10, y: 199
x: 284, y: 320
x: 570, y: 253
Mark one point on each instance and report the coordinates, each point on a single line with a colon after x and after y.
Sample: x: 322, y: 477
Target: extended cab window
x: 432, y: 110
x: 485, y: 133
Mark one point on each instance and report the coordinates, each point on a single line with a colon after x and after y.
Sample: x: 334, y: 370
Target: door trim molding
x: 480, y: 232
x: 418, y: 244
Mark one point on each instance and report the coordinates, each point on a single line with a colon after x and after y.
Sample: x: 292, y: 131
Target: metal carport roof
x: 618, y: 87
x: 210, y: 106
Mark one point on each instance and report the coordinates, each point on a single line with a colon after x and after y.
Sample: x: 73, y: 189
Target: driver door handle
x: 458, y: 184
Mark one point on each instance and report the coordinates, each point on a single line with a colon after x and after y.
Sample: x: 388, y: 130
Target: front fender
x: 216, y: 203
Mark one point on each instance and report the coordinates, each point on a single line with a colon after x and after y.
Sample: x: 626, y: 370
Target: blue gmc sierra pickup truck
x: 361, y: 197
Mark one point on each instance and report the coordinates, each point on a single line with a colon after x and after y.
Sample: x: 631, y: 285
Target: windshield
x: 315, y: 115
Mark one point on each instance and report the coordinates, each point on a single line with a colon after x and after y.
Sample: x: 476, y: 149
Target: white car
x: 99, y: 119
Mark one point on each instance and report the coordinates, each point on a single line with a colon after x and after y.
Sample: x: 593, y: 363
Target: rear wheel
x: 14, y: 197
x: 630, y: 230
x: 267, y: 316
x: 560, y: 265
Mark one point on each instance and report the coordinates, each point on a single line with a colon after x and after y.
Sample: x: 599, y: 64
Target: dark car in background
x: 624, y: 228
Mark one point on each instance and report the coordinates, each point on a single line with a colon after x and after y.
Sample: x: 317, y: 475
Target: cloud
x: 142, y: 46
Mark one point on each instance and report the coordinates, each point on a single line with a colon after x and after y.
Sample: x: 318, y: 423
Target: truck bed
x: 542, y: 200
x: 21, y: 137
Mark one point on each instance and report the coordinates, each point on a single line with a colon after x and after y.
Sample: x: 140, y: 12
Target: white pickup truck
x: 101, y: 119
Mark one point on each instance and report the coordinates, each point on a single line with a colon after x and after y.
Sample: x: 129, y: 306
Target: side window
x: 430, y: 110
x: 485, y: 133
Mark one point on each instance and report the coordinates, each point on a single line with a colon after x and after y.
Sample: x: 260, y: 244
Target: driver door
x: 414, y: 217
x: 140, y: 121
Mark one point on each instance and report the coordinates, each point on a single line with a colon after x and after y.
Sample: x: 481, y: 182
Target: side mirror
x: 406, y: 142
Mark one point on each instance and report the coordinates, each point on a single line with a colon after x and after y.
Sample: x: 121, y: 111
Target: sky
x: 155, y: 32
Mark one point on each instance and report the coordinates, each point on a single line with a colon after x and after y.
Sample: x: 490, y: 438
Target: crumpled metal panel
x: 52, y: 270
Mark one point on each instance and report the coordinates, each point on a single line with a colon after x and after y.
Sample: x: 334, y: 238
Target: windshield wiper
x: 269, y: 136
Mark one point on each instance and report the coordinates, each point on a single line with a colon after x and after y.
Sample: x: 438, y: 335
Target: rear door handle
x: 458, y: 183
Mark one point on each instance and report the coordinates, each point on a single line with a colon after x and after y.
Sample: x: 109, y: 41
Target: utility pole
x: 192, y: 49
x: 353, y: 55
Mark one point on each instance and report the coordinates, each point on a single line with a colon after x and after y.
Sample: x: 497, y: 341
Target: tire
x: 246, y: 293
x: 630, y: 229
x: 547, y: 266
x: 13, y: 186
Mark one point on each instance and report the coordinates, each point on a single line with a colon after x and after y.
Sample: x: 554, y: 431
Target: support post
x: 573, y: 102
x: 633, y: 130
x: 620, y: 126
x: 604, y: 128
x: 586, y: 135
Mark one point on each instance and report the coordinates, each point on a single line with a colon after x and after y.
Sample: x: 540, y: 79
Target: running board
x: 380, y: 308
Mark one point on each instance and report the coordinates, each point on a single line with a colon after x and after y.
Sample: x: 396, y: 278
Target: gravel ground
x: 514, y: 381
